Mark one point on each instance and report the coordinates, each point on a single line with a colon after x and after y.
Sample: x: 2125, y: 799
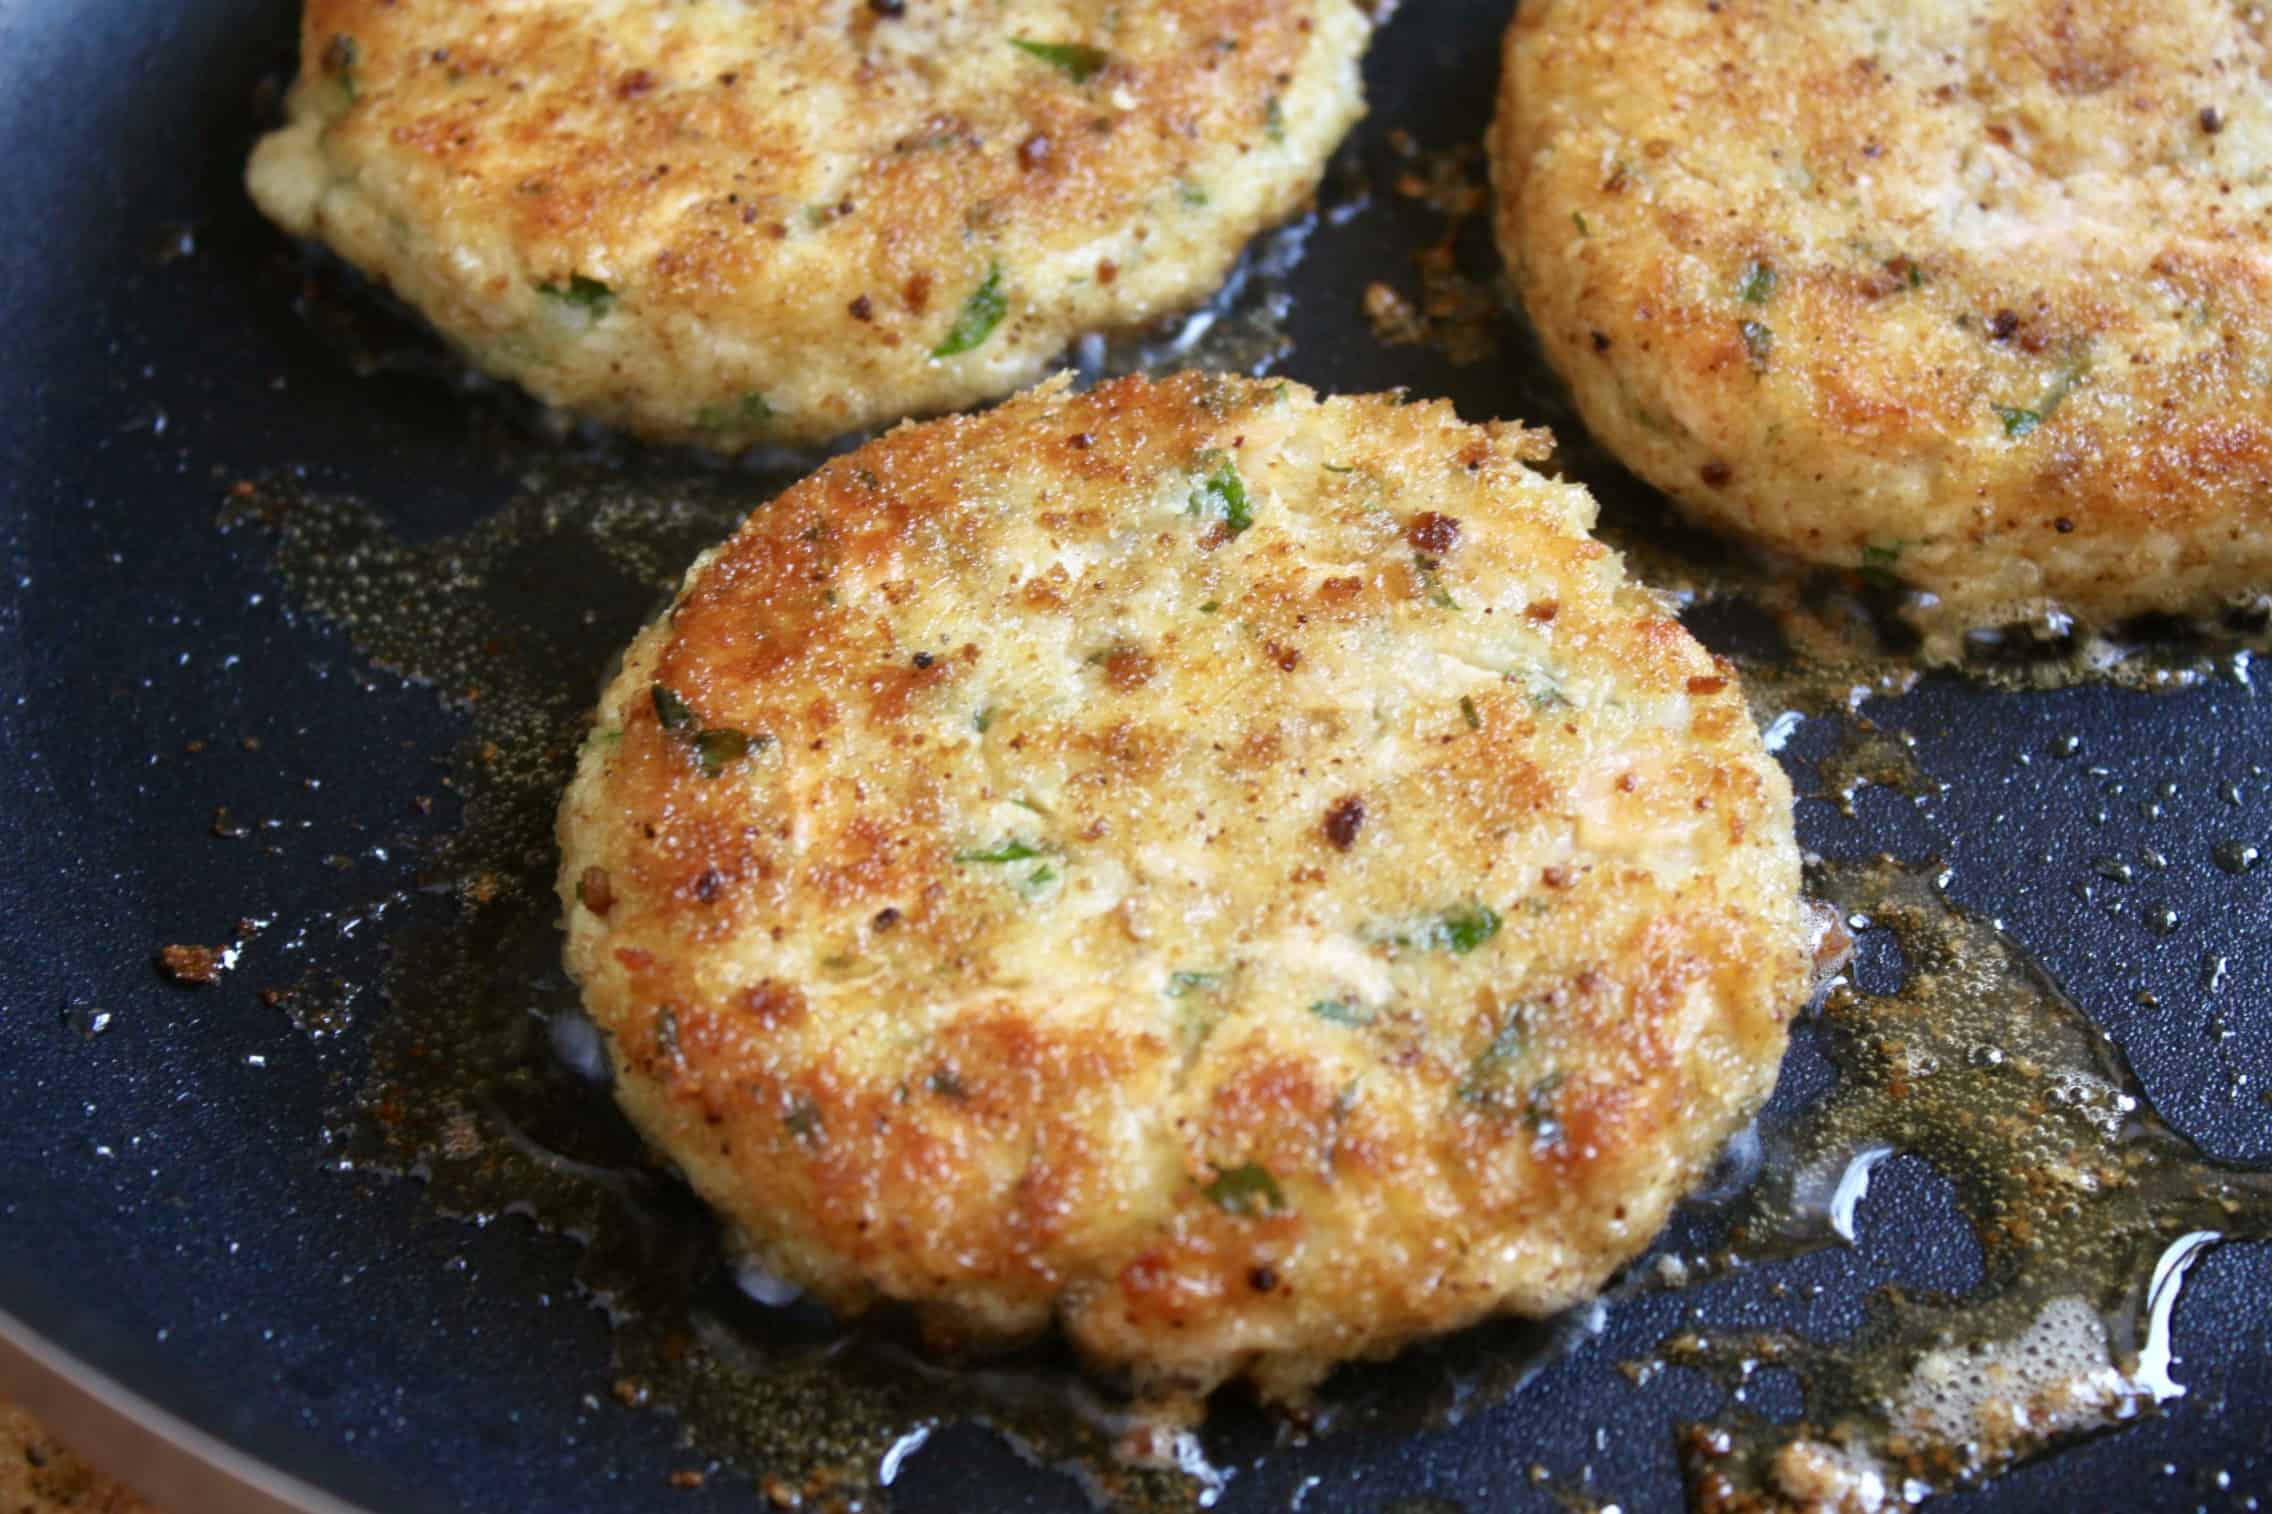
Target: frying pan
x: 188, y: 1278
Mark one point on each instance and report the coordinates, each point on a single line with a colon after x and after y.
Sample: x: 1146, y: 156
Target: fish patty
x: 1242, y: 875
x: 726, y: 224
x: 1975, y: 295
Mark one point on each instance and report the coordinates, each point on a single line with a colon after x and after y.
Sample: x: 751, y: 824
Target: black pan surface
x: 171, y: 1209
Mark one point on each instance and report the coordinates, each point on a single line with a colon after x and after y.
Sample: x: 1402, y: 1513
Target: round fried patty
x: 1976, y: 294
x: 1243, y: 875
x: 727, y: 223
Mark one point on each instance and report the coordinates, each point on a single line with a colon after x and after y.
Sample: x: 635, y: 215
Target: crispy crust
x: 1101, y: 853
x: 796, y: 200
x: 2017, y: 348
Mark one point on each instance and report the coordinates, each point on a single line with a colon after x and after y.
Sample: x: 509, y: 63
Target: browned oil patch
x: 2087, y: 1208
x: 1441, y: 304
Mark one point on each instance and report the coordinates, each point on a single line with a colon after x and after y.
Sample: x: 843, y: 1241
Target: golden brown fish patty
x: 1977, y: 295
x: 729, y: 223
x: 1242, y: 875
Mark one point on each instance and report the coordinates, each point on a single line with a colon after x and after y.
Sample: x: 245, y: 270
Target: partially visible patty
x: 1242, y: 875
x: 1975, y: 293
x: 728, y: 223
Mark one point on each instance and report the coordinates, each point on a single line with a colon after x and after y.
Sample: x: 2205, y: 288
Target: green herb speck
x: 340, y: 56
x: 1462, y: 929
x: 979, y: 315
x: 1488, y: 1067
x: 1468, y: 712
x: 1076, y: 60
x: 2018, y: 420
x: 1578, y: 219
x: 1274, y: 121
x: 750, y: 410
x: 1342, y: 1012
x: 675, y: 713
x: 1221, y: 494
x: 1184, y: 984
x: 1191, y: 192
x: 588, y: 295
x: 1008, y: 851
x: 982, y: 720
x: 714, y: 749
x: 1249, y: 1190
x: 1756, y: 285
x: 1877, y: 564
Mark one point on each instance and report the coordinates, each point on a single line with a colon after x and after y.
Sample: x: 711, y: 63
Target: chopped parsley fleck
x: 676, y: 714
x: 1578, y: 219
x: 588, y: 295
x: 1538, y: 1109
x: 750, y: 410
x: 982, y: 720
x: 1462, y: 929
x: 2018, y: 419
x: 1076, y: 60
x: 1210, y: 606
x: 944, y: 1082
x: 1488, y: 1067
x: 1040, y: 878
x: 979, y: 315
x: 1221, y: 494
x: 1190, y: 192
x: 1756, y: 285
x: 340, y: 56
x: 802, y: 1119
x: 1338, y: 468
x: 1877, y: 564
x: 1008, y: 851
x: 1468, y: 712
x: 1758, y: 342
x: 1274, y: 121
x: 1342, y: 1012
x: 1184, y: 984
x: 1248, y: 1189
x: 714, y: 749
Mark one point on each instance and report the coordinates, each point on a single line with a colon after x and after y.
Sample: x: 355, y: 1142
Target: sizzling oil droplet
x: 87, y: 1020
x: 2235, y: 857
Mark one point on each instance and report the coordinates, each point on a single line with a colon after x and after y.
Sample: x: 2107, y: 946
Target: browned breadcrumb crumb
x: 39, y: 1475
x: 191, y: 964
x: 1394, y: 321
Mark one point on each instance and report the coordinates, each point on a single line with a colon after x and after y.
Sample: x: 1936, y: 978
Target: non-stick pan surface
x: 170, y: 1211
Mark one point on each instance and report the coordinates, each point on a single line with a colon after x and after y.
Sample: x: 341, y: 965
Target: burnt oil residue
x: 2086, y: 1206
